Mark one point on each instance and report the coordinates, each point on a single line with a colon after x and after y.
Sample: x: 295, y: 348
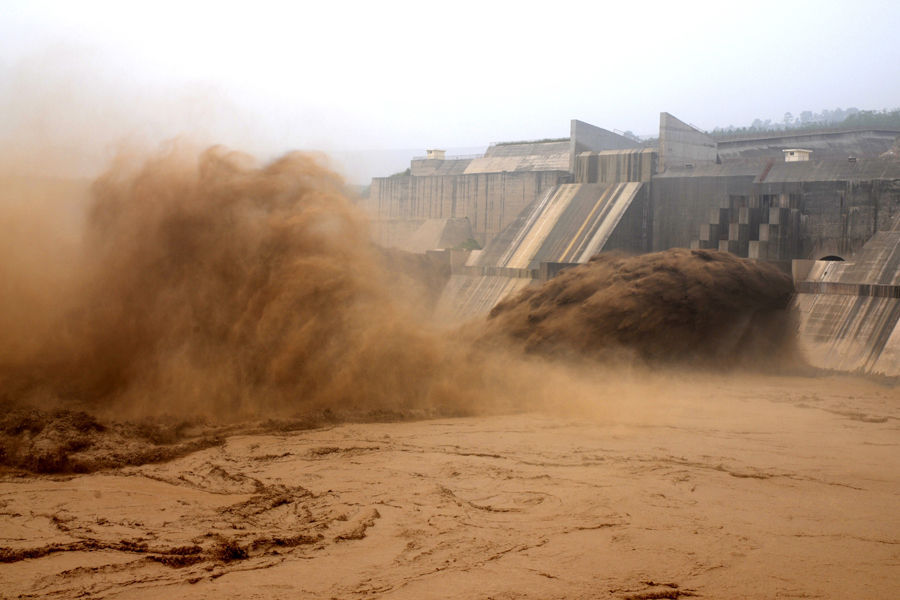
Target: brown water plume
x: 201, y: 290
x: 211, y: 284
x: 700, y: 307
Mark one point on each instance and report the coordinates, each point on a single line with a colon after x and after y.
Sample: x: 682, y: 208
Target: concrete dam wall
x: 568, y: 225
x: 832, y: 145
x: 536, y: 207
x: 850, y: 310
x: 489, y: 200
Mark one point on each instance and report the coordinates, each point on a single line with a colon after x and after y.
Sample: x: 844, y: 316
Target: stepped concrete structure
x: 537, y: 207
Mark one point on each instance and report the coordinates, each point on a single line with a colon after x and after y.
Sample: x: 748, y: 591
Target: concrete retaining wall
x: 588, y: 138
x: 850, y: 310
x: 616, y: 166
x: 843, y: 205
x: 490, y: 200
x: 468, y: 296
x: 681, y: 145
x: 567, y: 225
x: 825, y: 145
x: 840, y: 205
x: 683, y: 201
x: 421, y: 235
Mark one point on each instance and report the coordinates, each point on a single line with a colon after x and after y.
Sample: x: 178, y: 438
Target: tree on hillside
x: 850, y: 118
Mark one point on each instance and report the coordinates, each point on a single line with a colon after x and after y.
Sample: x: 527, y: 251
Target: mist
x: 67, y: 109
x: 205, y: 282
x: 213, y: 383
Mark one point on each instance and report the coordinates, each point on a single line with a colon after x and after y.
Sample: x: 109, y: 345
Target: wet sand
x: 712, y: 486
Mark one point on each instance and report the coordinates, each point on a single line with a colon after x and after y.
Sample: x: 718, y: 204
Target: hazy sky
x: 340, y: 76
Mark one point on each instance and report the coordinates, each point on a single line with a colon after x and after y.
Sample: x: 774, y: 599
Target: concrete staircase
x: 763, y: 227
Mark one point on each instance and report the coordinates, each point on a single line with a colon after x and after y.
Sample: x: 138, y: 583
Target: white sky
x: 340, y: 76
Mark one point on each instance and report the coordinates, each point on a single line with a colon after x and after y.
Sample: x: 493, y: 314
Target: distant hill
x: 851, y: 118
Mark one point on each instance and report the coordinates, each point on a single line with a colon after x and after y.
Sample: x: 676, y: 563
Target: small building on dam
x: 824, y: 205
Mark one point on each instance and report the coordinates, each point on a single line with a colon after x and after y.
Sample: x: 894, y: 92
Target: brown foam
x: 682, y: 306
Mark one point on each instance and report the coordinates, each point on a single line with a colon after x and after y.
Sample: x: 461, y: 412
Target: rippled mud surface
x: 709, y: 487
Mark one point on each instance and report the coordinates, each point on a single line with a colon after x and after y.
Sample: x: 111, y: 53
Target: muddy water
x: 218, y: 387
x: 710, y: 486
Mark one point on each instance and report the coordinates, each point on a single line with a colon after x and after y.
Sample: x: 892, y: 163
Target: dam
x: 824, y: 206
